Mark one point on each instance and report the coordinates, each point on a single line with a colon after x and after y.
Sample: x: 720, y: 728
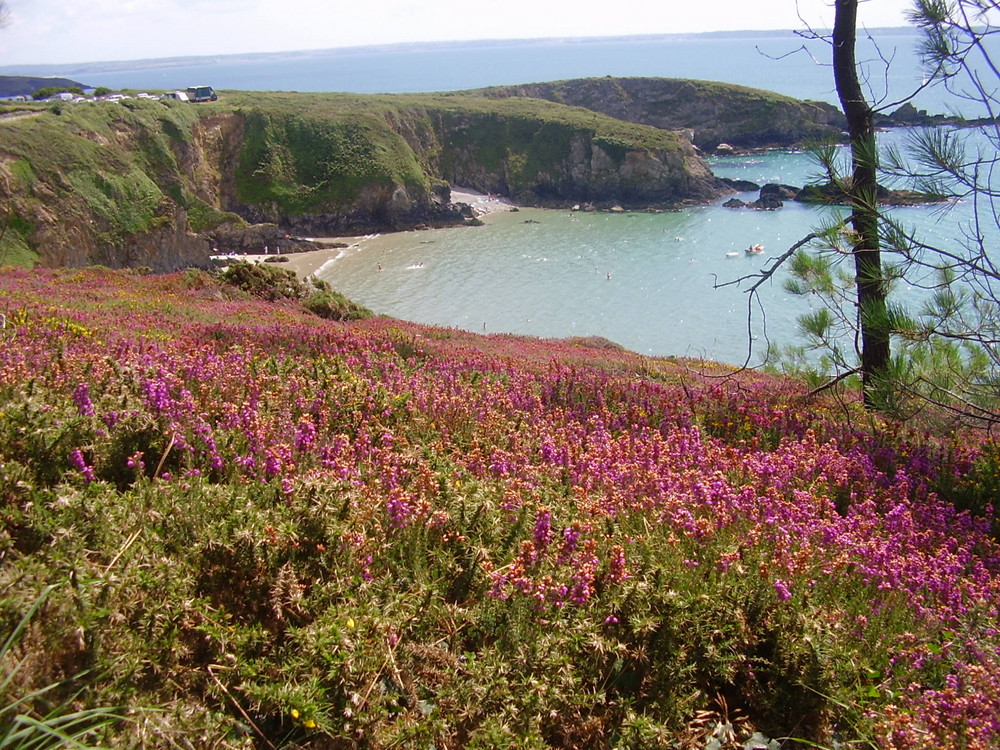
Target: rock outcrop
x: 773, y: 196
x: 559, y: 164
x: 908, y: 116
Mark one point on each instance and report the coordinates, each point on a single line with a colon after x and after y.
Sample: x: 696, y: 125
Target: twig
x: 967, y: 409
x: 767, y: 273
x: 238, y: 706
x: 122, y: 551
x: 163, y: 458
x: 761, y: 277
x: 831, y: 383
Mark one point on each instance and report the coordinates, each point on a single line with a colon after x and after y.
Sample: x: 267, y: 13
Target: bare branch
x: 833, y: 382
x: 767, y: 273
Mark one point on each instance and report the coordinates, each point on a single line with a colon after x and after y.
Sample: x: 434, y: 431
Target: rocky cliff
x: 713, y: 113
x: 548, y: 160
x: 537, y: 153
x: 159, y: 184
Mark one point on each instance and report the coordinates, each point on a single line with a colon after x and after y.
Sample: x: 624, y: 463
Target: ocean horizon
x: 776, y: 60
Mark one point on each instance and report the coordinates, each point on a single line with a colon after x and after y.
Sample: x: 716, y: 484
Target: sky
x: 74, y: 31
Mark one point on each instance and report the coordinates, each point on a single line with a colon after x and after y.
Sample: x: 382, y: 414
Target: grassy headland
x: 711, y: 112
x: 279, y: 531
x: 142, y: 182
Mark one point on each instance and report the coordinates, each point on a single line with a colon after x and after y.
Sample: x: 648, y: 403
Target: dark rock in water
x: 744, y: 186
x: 832, y: 193
x: 773, y: 191
x: 828, y: 193
x: 772, y: 196
x: 908, y: 116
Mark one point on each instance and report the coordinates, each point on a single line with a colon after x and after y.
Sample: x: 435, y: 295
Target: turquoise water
x: 642, y: 280
x: 647, y: 281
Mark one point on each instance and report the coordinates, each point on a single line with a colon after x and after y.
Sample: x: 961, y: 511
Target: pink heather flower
x: 543, y: 528
x: 157, y: 395
x: 617, y: 572
x: 77, y: 459
x: 305, y: 434
x: 81, y: 397
x: 781, y: 589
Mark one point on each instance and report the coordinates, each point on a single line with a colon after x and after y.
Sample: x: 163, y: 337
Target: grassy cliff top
x: 376, y: 107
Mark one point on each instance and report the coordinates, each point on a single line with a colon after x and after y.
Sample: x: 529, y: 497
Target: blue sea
x: 653, y: 282
x: 780, y: 61
x: 656, y: 283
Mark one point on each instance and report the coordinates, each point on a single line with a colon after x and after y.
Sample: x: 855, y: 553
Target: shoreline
x: 310, y: 262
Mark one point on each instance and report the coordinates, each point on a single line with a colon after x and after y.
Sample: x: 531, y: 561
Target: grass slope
x: 281, y: 531
x: 112, y: 172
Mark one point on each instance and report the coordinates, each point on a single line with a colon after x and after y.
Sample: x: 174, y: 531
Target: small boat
x: 755, y: 249
x: 732, y: 255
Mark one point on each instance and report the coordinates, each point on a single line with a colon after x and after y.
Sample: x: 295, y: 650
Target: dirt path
x: 18, y: 116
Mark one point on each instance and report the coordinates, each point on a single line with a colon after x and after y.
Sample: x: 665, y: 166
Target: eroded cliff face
x: 209, y: 159
x: 98, y: 186
x: 549, y: 164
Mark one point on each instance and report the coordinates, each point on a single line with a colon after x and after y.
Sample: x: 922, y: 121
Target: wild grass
x: 284, y: 531
x: 43, y: 717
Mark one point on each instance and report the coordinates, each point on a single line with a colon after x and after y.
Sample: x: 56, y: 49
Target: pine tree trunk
x: 871, y: 288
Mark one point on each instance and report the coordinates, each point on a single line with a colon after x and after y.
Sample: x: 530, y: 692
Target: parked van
x: 201, y: 94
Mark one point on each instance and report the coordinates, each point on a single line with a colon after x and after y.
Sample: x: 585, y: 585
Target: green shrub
x: 264, y: 281
x: 335, y: 306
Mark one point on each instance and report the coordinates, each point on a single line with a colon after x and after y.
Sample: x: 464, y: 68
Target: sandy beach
x: 305, y: 264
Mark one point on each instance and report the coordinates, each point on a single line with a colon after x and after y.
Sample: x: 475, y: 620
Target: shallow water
x: 644, y: 280
x: 647, y: 281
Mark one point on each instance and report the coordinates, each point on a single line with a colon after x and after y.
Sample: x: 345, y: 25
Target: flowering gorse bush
x: 391, y: 534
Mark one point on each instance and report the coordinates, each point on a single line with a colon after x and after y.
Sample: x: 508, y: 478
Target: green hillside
x: 142, y: 182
